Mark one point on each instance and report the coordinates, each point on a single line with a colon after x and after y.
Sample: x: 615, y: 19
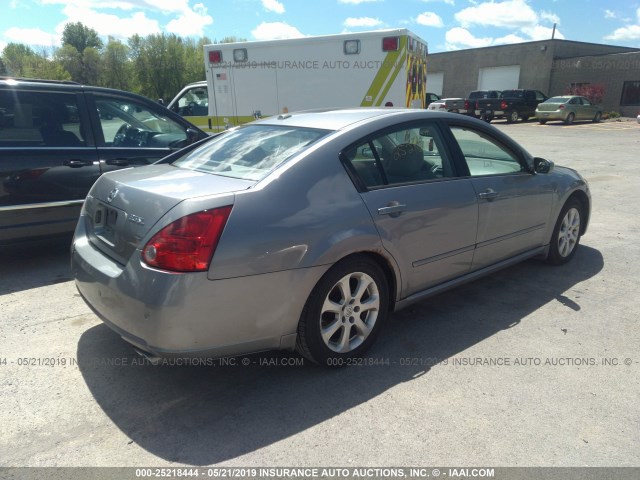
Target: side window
x: 484, y: 155
x: 194, y: 102
x: 127, y: 123
x: 39, y: 119
x: 539, y: 96
x: 574, y: 101
x: 407, y: 155
x: 586, y: 102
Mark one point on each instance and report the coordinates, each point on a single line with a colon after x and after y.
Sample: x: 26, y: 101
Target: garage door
x: 434, y: 82
x: 499, y: 78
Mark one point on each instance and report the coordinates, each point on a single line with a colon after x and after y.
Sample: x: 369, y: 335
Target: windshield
x: 557, y: 100
x: 250, y: 152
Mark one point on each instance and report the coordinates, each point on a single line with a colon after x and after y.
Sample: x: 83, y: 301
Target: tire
x: 487, y: 118
x: 525, y: 118
x: 570, y: 118
x: 344, y: 313
x: 597, y: 118
x: 542, y: 122
x: 512, y: 116
x: 566, y: 233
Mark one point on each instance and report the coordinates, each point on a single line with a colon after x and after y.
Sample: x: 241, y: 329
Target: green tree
x: 115, y: 67
x: 80, y: 37
x: 80, y: 54
x: 159, y: 64
x: 18, y: 59
x: 230, y: 39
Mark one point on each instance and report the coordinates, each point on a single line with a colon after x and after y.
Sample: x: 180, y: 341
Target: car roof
x: 59, y: 85
x: 333, y: 119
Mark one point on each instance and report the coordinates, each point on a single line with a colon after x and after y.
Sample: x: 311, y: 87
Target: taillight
x: 188, y: 244
x: 215, y: 56
x: 467, y: 105
x: 561, y: 107
x: 503, y: 105
x: 390, y: 44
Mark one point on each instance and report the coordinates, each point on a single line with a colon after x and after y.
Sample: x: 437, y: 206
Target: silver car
x: 568, y: 108
x: 304, y: 231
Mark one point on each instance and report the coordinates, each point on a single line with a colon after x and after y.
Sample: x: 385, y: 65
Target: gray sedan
x: 304, y: 231
x: 568, y: 108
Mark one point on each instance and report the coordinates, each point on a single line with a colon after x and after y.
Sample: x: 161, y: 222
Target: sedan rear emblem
x: 112, y: 195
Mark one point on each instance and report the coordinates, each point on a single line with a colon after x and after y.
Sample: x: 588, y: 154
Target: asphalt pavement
x: 533, y: 366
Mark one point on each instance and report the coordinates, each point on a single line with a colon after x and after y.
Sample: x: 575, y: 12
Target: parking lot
x: 533, y: 366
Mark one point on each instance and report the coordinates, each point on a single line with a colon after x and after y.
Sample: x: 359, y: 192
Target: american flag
x: 221, y: 76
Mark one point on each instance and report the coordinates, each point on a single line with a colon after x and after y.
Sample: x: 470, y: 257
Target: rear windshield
x: 250, y: 152
x: 512, y: 94
x: 557, y: 100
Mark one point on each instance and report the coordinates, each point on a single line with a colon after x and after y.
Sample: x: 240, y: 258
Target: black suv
x: 57, y: 138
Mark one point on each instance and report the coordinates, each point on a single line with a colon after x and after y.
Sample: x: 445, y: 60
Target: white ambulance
x: 250, y: 80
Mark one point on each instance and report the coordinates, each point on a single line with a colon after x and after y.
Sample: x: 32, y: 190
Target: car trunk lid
x: 548, y: 107
x: 123, y: 207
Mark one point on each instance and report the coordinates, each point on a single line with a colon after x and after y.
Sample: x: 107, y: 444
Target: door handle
x: 119, y: 162
x: 488, y: 194
x: 76, y: 163
x: 393, y: 209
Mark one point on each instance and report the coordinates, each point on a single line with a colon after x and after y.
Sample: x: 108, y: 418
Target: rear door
x: 48, y: 162
x: 426, y: 216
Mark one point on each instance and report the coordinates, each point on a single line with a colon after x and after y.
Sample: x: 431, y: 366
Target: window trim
x: 506, y: 142
x: 433, y: 123
x: 622, y: 94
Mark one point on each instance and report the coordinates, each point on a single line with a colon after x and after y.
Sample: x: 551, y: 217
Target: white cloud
x: 32, y: 36
x: 630, y: 32
x: 356, y: 2
x: 429, y: 19
x: 511, y: 38
x: 510, y: 14
x: 609, y: 14
x: 448, y: 2
x: 551, y: 17
x: 190, y: 22
x: 538, y: 32
x: 458, y: 37
x: 184, y: 20
x: 362, y: 22
x: 273, y: 6
x: 109, y: 24
x: 275, y: 30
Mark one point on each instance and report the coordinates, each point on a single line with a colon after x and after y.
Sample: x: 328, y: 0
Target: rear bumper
x: 491, y: 113
x: 187, y: 315
x: 553, y: 115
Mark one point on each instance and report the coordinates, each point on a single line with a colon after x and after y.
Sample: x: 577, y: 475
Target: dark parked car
x: 512, y: 105
x: 57, y: 138
x: 473, y: 98
x: 306, y: 229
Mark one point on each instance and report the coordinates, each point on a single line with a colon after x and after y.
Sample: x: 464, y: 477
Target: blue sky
x: 444, y: 24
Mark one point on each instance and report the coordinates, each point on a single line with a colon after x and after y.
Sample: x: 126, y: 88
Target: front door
x: 513, y: 204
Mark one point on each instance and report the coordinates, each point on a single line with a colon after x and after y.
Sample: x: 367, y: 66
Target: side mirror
x: 541, y: 165
x: 192, y: 136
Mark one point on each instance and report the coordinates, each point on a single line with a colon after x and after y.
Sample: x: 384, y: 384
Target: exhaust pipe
x: 153, y: 359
